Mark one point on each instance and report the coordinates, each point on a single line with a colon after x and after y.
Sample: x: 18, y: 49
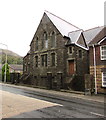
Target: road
x: 21, y: 103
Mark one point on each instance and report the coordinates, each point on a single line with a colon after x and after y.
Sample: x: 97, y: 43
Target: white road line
x: 97, y: 114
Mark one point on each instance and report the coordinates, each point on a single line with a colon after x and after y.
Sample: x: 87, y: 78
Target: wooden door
x: 71, y: 67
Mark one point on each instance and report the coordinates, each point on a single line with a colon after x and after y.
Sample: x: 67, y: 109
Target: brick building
x: 97, y: 58
x: 57, y: 56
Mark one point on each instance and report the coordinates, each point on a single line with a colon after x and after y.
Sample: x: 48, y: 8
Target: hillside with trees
x: 12, y: 58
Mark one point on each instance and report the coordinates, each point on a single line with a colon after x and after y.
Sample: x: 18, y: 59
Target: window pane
x: 53, y: 59
x: 70, y: 50
x: 46, y: 60
x: 103, y: 47
x: 46, y: 44
x: 104, y: 83
x: 42, y: 60
x: 53, y: 39
x: 104, y: 79
x: 45, y: 40
x: 103, y: 52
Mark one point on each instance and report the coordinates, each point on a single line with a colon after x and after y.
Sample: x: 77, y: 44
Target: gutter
x: 94, y: 51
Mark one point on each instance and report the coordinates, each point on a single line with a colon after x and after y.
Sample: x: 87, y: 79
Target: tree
x: 7, y: 72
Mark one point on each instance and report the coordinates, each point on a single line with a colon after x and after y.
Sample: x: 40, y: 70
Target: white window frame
x: 102, y: 55
x: 103, y: 79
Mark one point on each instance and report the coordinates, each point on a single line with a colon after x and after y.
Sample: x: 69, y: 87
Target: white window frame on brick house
x: 103, y: 51
x: 103, y: 79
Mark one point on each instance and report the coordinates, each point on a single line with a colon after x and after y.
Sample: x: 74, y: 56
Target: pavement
x: 63, y: 94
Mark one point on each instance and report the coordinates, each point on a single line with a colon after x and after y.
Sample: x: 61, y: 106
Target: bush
x: 7, y: 73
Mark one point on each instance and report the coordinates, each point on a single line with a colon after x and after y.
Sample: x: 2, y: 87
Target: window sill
x: 103, y: 87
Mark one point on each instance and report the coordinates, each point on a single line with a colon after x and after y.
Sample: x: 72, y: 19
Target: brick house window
x: 80, y: 53
x: 36, y: 61
x: 103, y: 52
x: 44, y: 60
x: 104, y: 79
x: 53, y: 39
x: 53, y: 59
x: 36, y: 44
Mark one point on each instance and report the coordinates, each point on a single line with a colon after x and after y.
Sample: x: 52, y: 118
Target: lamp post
x: 5, y: 61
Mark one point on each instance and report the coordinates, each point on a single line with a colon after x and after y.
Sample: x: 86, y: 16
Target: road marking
x: 97, y: 114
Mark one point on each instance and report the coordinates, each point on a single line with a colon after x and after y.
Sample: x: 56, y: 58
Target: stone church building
x: 58, y: 56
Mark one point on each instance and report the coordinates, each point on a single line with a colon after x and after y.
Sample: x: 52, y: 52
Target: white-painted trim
x: 101, y: 40
x: 101, y: 52
x: 81, y: 46
x: 102, y: 80
x: 94, y: 51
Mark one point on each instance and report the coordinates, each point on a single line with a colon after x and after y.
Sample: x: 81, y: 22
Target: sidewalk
x: 62, y: 94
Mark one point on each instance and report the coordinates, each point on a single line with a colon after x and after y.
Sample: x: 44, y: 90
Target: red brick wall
x: 99, y: 65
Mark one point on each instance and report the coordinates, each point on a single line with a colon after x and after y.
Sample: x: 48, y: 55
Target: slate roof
x: 13, y: 66
x: 71, y: 31
x: 74, y: 36
x: 66, y: 29
x: 63, y: 26
x: 100, y: 36
x: 90, y: 34
x: 16, y: 67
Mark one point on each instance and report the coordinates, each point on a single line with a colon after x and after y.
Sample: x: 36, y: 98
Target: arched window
x: 45, y: 41
x: 53, y: 59
x: 53, y: 39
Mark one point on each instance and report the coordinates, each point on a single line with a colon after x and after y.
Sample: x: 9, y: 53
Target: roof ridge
x: 61, y: 19
x: 77, y: 31
x: 93, y: 28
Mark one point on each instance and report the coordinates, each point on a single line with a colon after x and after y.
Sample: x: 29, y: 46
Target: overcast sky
x: 19, y: 19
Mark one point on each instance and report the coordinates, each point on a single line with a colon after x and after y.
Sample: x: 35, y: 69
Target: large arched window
x: 53, y: 39
x: 45, y: 40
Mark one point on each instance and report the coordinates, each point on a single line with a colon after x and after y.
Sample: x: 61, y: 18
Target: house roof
x: 66, y: 29
x: 102, y: 40
x: 101, y: 36
x: 13, y: 66
x: 74, y: 36
x: 16, y: 67
x: 63, y: 26
x: 90, y: 34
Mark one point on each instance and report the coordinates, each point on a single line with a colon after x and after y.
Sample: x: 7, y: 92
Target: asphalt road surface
x: 21, y: 103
